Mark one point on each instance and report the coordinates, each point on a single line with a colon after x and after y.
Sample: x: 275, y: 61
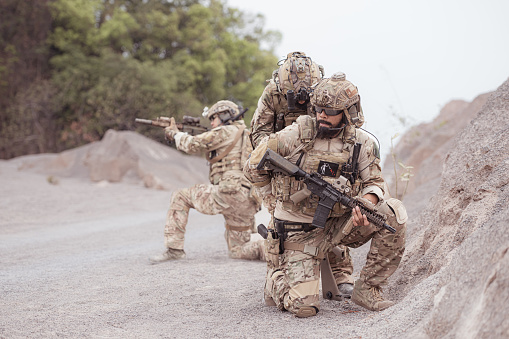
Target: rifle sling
x: 227, y: 150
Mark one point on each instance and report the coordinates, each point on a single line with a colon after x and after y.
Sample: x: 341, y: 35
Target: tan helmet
x: 339, y: 94
x: 297, y: 72
x: 225, y: 108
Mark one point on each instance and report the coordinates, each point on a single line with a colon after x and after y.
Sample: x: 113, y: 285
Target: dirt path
x: 73, y: 263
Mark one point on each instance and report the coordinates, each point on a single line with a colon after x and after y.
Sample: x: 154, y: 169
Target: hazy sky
x: 408, y: 58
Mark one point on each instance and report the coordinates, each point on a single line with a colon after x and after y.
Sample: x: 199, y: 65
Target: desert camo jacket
x: 216, y: 141
x: 289, y: 141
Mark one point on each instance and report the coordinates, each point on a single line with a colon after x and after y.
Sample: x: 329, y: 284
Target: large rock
x: 457, y: 249
x: 122, y: 156
x: 424, y: 147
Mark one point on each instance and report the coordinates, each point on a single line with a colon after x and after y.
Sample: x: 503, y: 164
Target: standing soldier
x: 329, y: 141
x: 228, y: 194
x: 283, y: 100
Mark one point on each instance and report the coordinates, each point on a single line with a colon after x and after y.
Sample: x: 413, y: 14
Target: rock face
x: 123, y: 156
x: 424, y: 147
x: 457, y: 246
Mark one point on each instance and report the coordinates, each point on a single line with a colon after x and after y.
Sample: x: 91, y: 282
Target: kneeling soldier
x: 326, y: 145
x: 228, y: 194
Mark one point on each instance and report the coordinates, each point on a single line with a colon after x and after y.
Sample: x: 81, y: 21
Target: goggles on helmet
x: 328, y: 111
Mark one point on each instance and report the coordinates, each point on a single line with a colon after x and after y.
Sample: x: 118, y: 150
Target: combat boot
x: 170, y: 254
x: 345, y: 290
x: 369, y: 297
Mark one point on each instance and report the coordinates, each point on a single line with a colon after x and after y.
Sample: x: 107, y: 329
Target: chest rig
x: 330, y: 163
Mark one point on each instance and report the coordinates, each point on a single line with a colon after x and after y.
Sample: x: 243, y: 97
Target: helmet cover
x: 335, y: 92
x: 297, y: 72
x: 226, y: 109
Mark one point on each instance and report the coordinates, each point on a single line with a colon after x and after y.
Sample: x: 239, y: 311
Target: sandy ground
x: 73, y: 263
x: 73, y: 254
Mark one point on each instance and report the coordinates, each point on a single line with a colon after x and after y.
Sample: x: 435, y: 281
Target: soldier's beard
x: 325, y: 132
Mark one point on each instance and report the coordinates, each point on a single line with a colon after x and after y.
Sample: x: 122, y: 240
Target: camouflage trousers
x: 296, y: 282
x: 238, y: 209
x: 341, y: 266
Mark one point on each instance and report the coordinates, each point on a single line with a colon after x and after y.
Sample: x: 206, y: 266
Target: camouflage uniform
x: 294, y: 286
x: 228, y: 194
x: 272, y: 115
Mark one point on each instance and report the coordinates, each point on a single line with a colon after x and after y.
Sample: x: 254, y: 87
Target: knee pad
x: 394, y: 208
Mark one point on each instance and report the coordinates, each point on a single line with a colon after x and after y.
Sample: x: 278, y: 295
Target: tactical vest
x: 326, y: 163
x: 231, y: 164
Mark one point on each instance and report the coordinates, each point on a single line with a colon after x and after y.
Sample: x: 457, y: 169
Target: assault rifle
x: 229, y: 120
x: 190, y: 125
x: 328, y: 194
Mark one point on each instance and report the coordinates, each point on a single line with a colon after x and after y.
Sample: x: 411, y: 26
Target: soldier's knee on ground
x: 303, y: 294
x: 306, y: 311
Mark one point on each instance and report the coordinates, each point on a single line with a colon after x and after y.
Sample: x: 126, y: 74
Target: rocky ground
x: 77, y: 228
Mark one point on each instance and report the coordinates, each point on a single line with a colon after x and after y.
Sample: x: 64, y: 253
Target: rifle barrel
x: 143, y: 121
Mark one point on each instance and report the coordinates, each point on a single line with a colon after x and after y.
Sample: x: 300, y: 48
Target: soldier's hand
x: 171, y: 130
x: 359, y: 219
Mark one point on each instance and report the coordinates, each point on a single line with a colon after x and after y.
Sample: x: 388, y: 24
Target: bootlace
x: 376, y: 291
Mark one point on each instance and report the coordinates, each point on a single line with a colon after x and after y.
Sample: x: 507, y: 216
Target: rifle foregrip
x: 376, y: 219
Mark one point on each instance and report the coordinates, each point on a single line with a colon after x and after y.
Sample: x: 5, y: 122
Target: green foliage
x: 112, y: 61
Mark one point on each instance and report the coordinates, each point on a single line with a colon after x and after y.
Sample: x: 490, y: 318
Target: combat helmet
x: 225, y: 108
x: 297, y: 73
x: 339, y: 94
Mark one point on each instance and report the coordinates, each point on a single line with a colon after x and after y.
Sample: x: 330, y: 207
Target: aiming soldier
x: 229, y: 192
